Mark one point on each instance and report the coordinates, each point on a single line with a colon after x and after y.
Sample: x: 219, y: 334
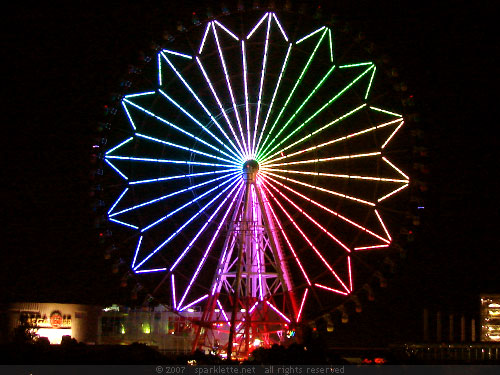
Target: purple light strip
x: 278, y: 312
x: 214, y: 237
x: 192, y: 303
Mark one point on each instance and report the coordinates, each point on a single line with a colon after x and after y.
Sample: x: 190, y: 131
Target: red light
x: 379, y: 361
x: 367, y: 361
x: 410, y: 232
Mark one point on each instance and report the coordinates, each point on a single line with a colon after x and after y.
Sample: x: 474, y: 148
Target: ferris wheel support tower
x: 251, y: 276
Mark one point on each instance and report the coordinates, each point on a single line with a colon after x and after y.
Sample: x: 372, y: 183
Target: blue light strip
x: 207, y: 29
x: 226, y: 176
x: 221, y: 107
x: 185, y: 205
x: 159, y: 70
x: 190, y: 245
x: 199, y: 101
x: 174, y: 126
x: 120, y: 145
x: 177, y: 54
x: 173, y: 235
x: 115, y: 168
x: 137, y: 250
x: 118, y: 200
x: 235, y: 157
x: 185, y: 148
x: 123, y: 223
x: 140, y: 94
x: 190, y: 175
x: 128, y: 115
x: 151, y: 160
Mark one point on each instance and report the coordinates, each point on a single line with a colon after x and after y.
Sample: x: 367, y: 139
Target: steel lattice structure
x: 257, y: 175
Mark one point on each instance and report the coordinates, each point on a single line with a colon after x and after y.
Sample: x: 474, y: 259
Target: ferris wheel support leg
x: 238, y: 276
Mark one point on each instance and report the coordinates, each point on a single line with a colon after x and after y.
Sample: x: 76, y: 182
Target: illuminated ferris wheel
x: 258, y: 174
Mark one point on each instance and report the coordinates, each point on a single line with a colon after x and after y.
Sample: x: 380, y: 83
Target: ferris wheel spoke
x: 230, y: 89
x: 342, y: 176
x: 191, y: 188
x: 173, y: 126
x: 233, y: 155
x: 299, y: 80
x: 315, y: 114
x: 210, y: 220
x: 294, y: 254
x: 306, y: 238
x: 186, y: 205
x: 280, y: 27
x: 115, y: 168
x: 311, y: 219
x: 166, y: 161
x: 322, y: 160
x: 245, y: 85
x: 328, y: 143
x: 190, y: 149
x: 261, y: 85
x: 181, y: 176
x: 313, y: 187
x: 334, y: 213
x: 214, y: 237
x: 278, y: 82
x: 306, y: 100
x: 299, y: 315
x: 173, y: 235
x: 223, y: 111
x: 207, y: 111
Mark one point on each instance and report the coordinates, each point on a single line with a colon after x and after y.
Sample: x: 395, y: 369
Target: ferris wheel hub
x: 250, y: 169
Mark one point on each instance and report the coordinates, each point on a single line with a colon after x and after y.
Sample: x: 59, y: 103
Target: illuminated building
x: 490, y: 317
x: 52, y: 320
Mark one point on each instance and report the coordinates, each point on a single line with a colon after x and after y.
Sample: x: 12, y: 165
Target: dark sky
x: 64, y: 62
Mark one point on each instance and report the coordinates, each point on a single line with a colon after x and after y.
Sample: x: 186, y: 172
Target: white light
x: 54, y: 334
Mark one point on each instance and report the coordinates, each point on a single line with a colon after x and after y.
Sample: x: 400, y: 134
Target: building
x: 490, y: 317
x: 52, y: 320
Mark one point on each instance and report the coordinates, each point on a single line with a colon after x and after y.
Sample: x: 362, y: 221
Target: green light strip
x: 355, y: 65
x: 331, y: 44
x: 306, y: 67
x: 320, y: 110
x: 370, y: 84
x: 318, y: 86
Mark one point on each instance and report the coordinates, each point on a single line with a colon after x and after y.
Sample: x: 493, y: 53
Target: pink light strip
x: 319, y: 188
x: 371, y: 247
x: 302, y: 304
x: 257, y: 25
x: 288, y: 242
x: 192, y: 303
x: 350, y: 271
x: 307, y: 240
x: 223, y: 312
x: 261, y: 293
x: 245, y: 82
x: 383, y: 225
x: 328, y: 209
x: 370, y: 178
x: 298, y: 208
x: 331, y: 290
x: 214, y: 237
x: 278, y: 312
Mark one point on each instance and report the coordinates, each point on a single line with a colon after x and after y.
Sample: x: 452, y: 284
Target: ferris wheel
x: 258, y: 177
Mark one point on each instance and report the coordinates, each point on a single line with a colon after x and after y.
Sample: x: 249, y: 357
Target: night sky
x: 64, y: 62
